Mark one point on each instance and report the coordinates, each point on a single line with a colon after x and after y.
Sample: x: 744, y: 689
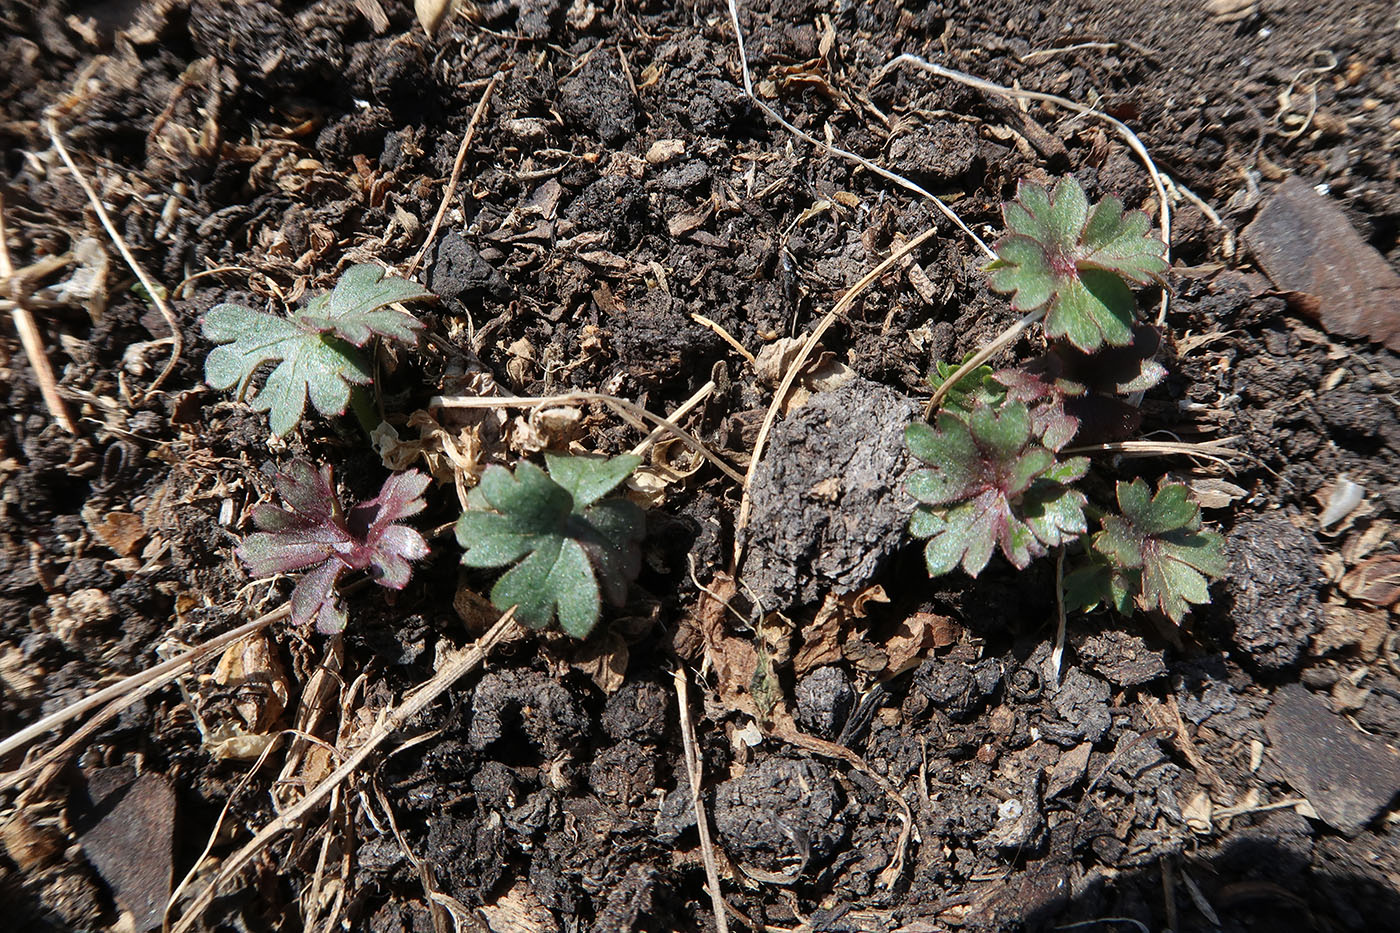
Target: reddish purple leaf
x: 315, y: 531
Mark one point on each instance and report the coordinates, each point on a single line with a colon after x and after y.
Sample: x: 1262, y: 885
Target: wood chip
x: 1308, y: 248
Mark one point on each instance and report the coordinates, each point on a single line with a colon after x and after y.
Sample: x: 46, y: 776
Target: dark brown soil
x: 272, y: 144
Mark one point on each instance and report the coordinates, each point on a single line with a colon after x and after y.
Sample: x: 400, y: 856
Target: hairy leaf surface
x: 314, y: 350
x: 573, y: 547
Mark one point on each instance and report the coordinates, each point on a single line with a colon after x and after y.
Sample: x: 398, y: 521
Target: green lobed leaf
x: 989, y: 486
x: 1055, y: 513
x: 1096, y: 582
x: 314, y: 350
x: 1061, y: 255
x: 589, y: 478
x: 576, y: 549
x: 1160, y: 536
x: 356, y: 309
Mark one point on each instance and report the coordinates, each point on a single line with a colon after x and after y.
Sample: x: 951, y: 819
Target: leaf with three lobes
x: 314, y: 349
x: 1062, y: 255
x: 971, y: 495
x: 314, y: 532
x: 1160, y: 536
x: 573, y: 549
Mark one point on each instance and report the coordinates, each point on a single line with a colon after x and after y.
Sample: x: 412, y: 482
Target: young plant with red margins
x: 1071, y: 259
x: 315, y: 533
x: 995, y: 479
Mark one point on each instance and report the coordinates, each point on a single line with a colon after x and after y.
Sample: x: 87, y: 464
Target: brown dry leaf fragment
x: 252, y: 668
x: 822, y: 637
x: 1212, y: 493
x: 475, y: 610
x: 547, y: 429
x: 123, y: 532
x: 519, y: 910
x: 1376, y: 580
x: 30, y: 844
x: 1307, y: 247
x: 1359, y: 547
x: 732, y: 657
x: 913, y: 638
x: 1351, y: 627
x: 680, y: 224
x: 604, y: 659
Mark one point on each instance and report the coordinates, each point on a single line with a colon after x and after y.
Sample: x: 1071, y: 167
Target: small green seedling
x: 1072, y: 260
x: 575, y: 548
x: 996, y: 478
x: 317, y: 534
x: 1155, y: 555
x: 991, y: 483
x: 315, y: 349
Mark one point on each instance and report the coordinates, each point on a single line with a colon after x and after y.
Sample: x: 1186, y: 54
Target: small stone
x: 664, y: 150
x: 1348, y: 778
x: 1306, y: 246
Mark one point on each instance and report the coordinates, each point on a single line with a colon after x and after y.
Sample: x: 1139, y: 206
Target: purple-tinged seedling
x: 1155, y: 554
x: 995, y: 477
x: 316, y: 534
x: 990, y: 484
x: 1070, y: 259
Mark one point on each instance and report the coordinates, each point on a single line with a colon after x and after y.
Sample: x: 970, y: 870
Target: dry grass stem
x: 30, y: 337
x: 162, y: 673
x: 456, y: 176
x: 681, y: 411
x: 1003, y: 340
x: 621, y: 404
x: 726, y: 336
x: 456, y: 666
x: 844, y: 302
x: 153, y: 292
x: 702, y: 823
x: 870, y: 166
x: 1057, y: 654
x: 1215, y: 451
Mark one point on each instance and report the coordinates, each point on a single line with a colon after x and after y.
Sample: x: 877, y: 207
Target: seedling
x: 575, y: 548
x: 1155, y: 555
x: 316, y: 534
x: 315, y: 349
x: 1072, y: 260
x: 996, y: 477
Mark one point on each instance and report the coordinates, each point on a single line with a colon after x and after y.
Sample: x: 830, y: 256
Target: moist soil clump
x: 602, y: 207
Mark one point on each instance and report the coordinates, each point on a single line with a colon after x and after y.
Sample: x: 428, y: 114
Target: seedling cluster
x: 1000, y: 473
x: 573, y: 546
x: 998, y: 477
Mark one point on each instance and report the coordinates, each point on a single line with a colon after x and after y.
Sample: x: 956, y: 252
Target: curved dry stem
x: 1215, y: 451
x: 1123, y: 130
x: 868, y: 165
x: 455, y: 177
x: 456, y: 666
x: 795, y: 367
x: 621, y: 404
x: 1004, y: 340
x: 152, y: 290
